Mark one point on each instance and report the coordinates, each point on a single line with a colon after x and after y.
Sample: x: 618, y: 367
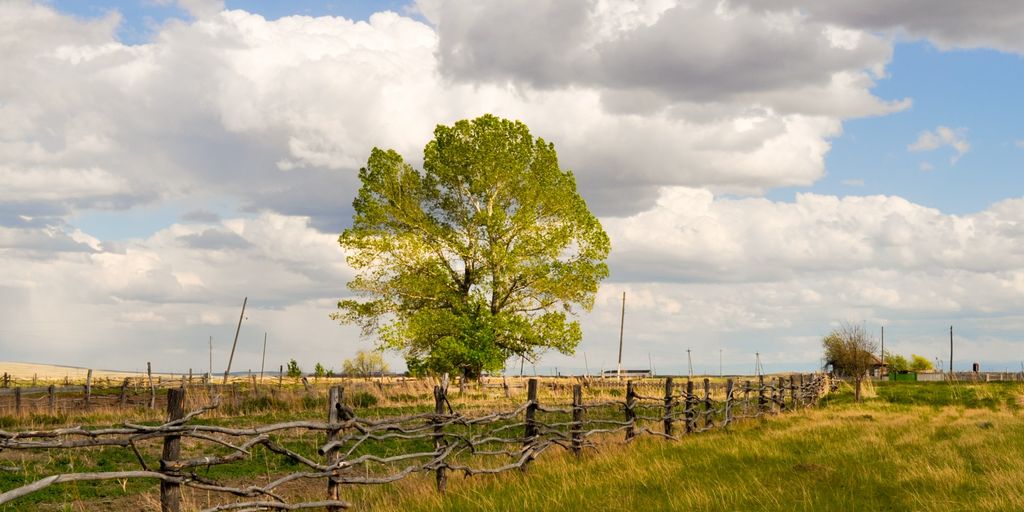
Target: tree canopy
x: 850, y: 350
x: 485, y: 254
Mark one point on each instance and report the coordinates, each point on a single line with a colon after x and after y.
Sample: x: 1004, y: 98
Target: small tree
x: 365, y: 364
x: 896, y: 362
x: 850, y: 350
x: 293, y: 369
x: 319, y: 371
x: 920, y: 363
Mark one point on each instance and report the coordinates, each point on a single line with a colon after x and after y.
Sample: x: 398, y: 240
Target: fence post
x: 761, y: 401
x: 709, y: 420
x: 334, y: 415
x: 577, y: 419
x: 668, y: 406
x: 122, y: 397
x: 781, y: 385
x: 531, y: 417
x: 280, y: 376
x: 801, y: 395
x: 17, y: 400
x: 88, y: 388
x: 152, y: 389
x: 51, y: 399
x: 439, y: 442
x: 728, y: 402
x: 691, y: 404
x: 792, y: 391
x: 170, y: 492
x: 630, y: 410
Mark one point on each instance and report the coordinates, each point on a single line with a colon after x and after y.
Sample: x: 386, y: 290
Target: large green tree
x: 485, y: 254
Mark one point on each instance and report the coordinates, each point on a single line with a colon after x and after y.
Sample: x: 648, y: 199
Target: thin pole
x: 235, y: 343
x: 951, y: 351
x: 689, y: 363
x: 883, y: 345
x: 262, y: 364
x: 720, y: 373
x: 210, y: 374
x: 586, y: 364
x: 650, y: 364
x: 622, y: 321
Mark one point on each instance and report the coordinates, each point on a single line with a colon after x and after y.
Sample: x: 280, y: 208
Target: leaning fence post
x: 668, y: 406
x: 728, y: 402
x: 122, y: 398
x: 334, y: 416
x: 17, y: 400
x: 709, y: 420
x: 761, y: 401
x: 531, y: 417
x: 439, y: 442
x: 690, y: 407
x: 170, y: 492
x: 630, y: 411
x: 577, y: 419
x: 51, y: 399
x: 88, y: 389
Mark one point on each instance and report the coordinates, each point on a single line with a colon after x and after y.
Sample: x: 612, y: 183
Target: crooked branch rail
x: 353, y: 450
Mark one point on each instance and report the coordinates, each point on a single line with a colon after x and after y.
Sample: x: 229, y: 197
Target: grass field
x: 913, y: 446
x: 916, y: 446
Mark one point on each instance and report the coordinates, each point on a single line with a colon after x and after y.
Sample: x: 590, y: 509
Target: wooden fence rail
x: 443, y: 441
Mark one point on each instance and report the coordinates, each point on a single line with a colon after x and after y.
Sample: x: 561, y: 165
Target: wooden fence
x: 358, y: 450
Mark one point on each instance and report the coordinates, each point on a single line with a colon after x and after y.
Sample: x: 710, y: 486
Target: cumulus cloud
x: 943, y: 136
x: 993, y: 24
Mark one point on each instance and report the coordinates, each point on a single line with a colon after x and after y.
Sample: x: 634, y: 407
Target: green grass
x: 912, y: 446
x: 945, y: 448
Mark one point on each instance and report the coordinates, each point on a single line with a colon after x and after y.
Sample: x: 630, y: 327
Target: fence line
x: 443, y: 441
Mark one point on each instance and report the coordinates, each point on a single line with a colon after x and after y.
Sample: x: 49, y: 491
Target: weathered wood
x: 762, y: 401
x: 88, y: 388
x: 334, y: 415
x: 691, y: 405
x: 709, y: 420
x: 668, y: 406
x: 630, y: 410
x: 803, y: 394
x: 170, y: 492
x: 51, y: 398
x: 440, y: 477
x: 781, y: 390
x: 728, y: 402
x: 577, y: 419
x: 792, y: 391
x: 17, y: 400
x: 280, y: 376
x: 530, y: 429
x: 122, y: 397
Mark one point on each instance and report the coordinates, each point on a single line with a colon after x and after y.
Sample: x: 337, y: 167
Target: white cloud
x: 853, y: 183
x: 943, y: 136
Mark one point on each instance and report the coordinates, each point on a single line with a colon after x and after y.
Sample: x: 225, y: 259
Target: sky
x: 766, y: 169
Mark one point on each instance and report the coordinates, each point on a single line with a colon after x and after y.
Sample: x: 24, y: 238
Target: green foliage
x: 850, y: 350
x: 319, y: 370
x: 920, y: 364
x: 365, y: 364
x: 896, y: 362
x: 483, y: 255
x: 293, y: 370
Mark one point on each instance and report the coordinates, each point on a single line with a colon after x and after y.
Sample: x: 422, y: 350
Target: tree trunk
x: 856, y: 395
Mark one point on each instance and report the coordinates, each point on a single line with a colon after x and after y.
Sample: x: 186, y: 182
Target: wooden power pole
x: 235, y: 343
x: 622, y: 321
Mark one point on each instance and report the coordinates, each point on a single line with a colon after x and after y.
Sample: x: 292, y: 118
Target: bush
x: 363, y: 399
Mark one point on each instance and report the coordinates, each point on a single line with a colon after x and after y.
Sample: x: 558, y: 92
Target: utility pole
x: 951, y: 351
x: 210, y: 374
x: 235, y: 344
x: 757, y: 363
x: 622, y: 321
x: 264, y: 363
x: 883, y: 345
x: 689, y: 362
x: 720, y: 374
